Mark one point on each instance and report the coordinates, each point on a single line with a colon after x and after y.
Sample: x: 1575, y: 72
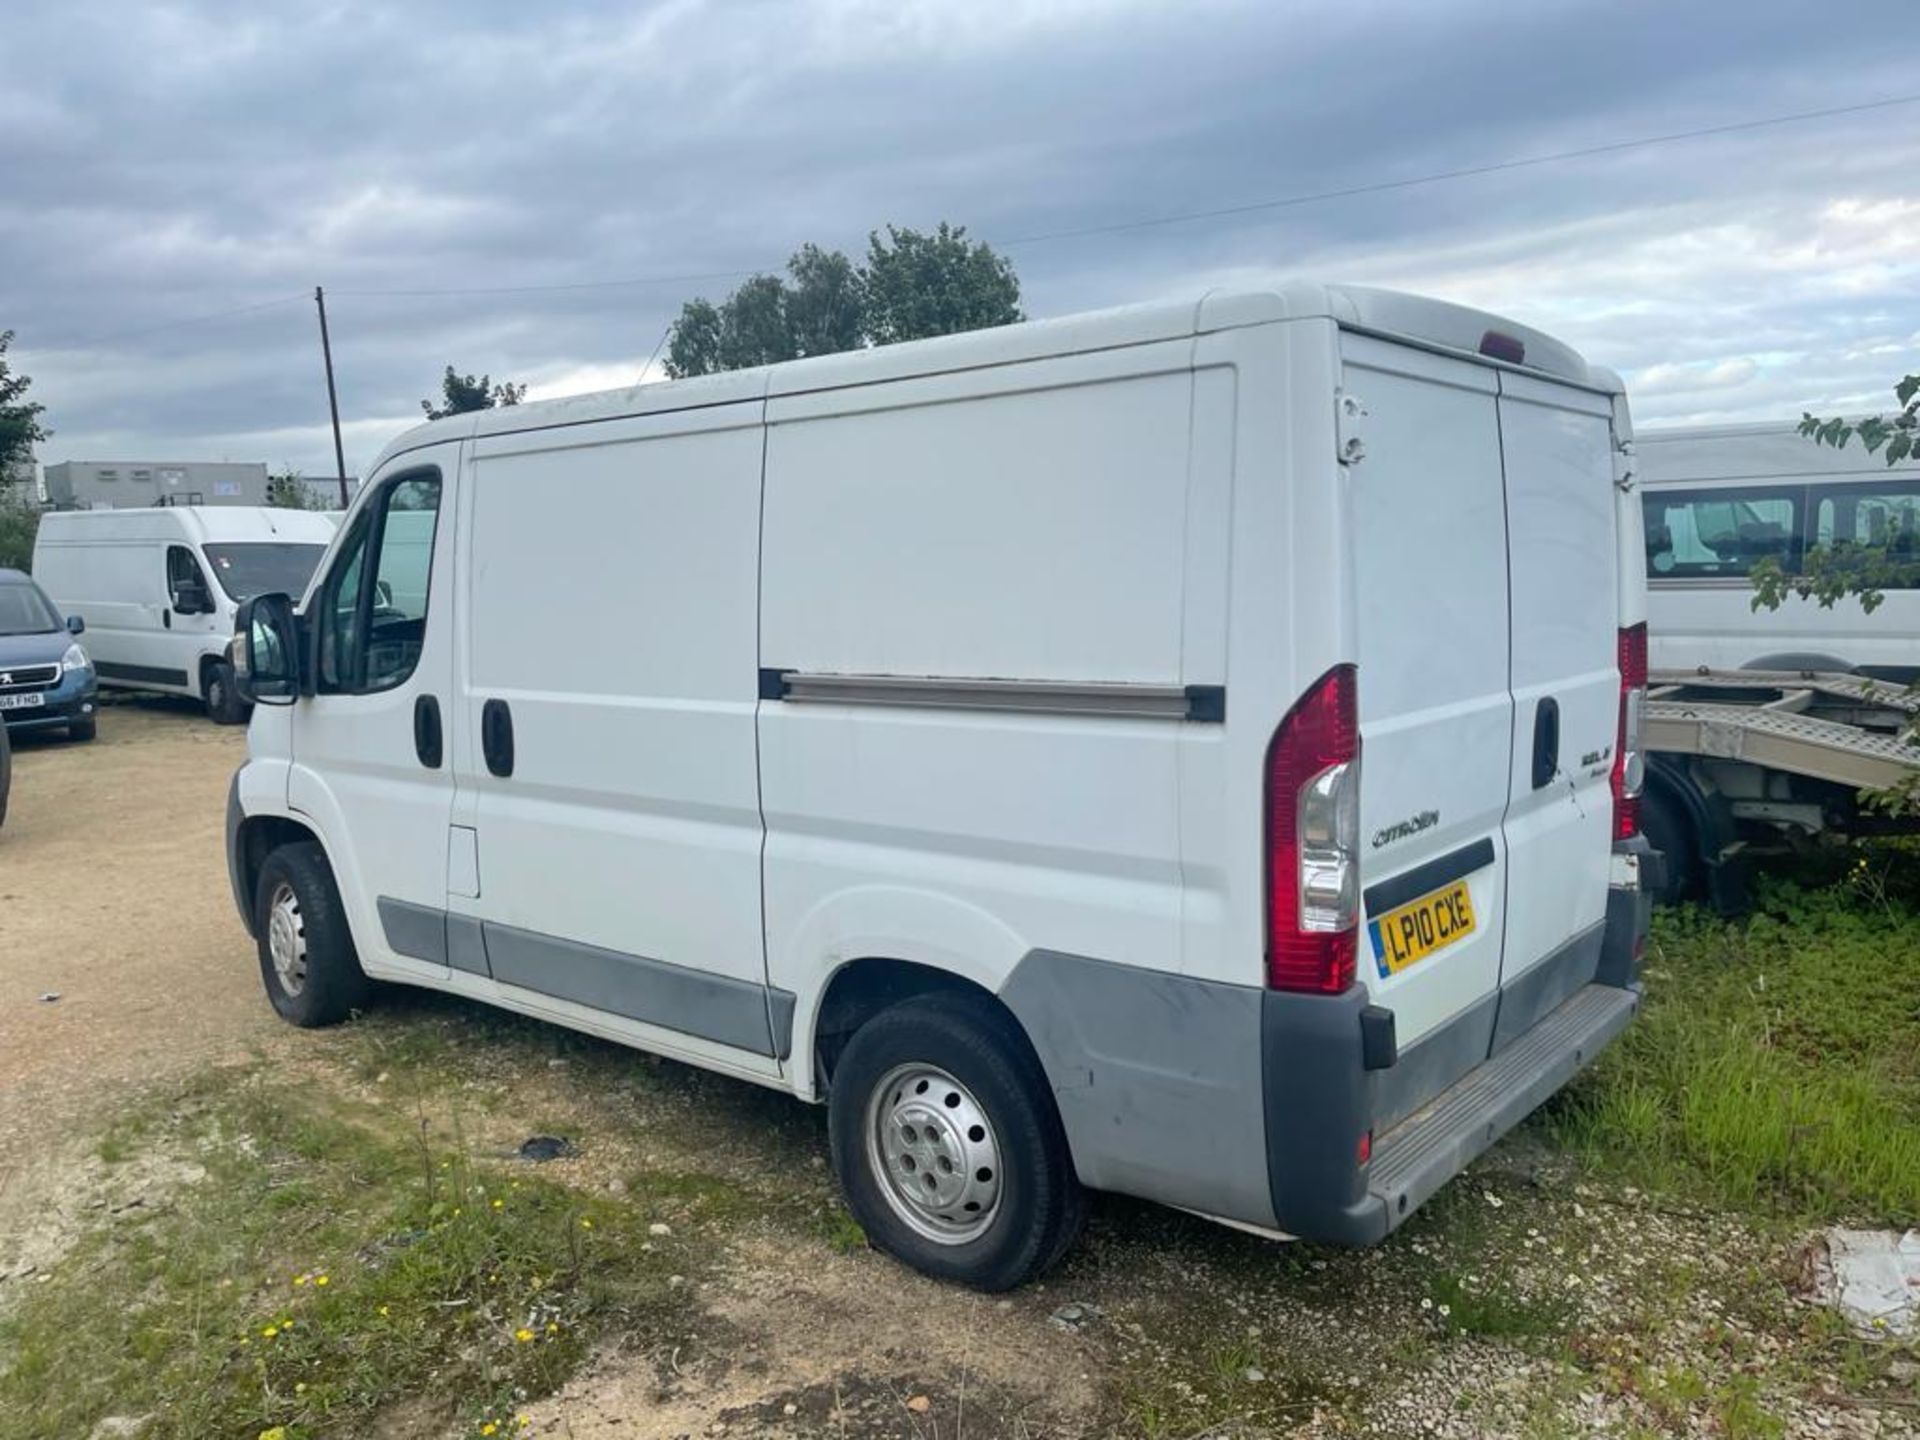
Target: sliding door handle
x: 496, y: 737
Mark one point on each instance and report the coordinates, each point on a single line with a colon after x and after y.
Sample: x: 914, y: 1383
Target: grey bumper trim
x: 748, y: 1016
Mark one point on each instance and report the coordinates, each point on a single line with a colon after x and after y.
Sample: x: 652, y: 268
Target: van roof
x: 202, y: 523
x: 1430, y: 324
x: 1763, y: 450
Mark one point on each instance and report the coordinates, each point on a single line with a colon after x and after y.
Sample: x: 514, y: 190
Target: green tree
x: 462, y: 393
x: 1830, y: 573
x: 919, y: 285
x: 694, y: 348
x: 20, y: 427
x: 19, y: 524
x: 287, y: 491
x: 826, y: 309
x: 913, y: 285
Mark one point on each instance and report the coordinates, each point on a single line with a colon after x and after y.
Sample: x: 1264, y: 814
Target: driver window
x: 183, y: 574
x: 371, y: 636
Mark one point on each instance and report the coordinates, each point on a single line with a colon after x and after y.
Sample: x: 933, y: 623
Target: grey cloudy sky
x: 165, y: 160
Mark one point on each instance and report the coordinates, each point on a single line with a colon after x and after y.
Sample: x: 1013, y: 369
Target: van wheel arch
x: 1800, y: 662
x: 861, y: 989
x: 260, y: 836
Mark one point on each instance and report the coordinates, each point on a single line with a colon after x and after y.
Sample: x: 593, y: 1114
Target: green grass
x: 322, y: 1270
x: 1776, y: 1067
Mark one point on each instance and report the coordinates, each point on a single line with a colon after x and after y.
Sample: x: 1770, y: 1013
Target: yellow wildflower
x: 488, y: 1428
x: 278, y: 1432
x: 269, y: 1333
x: 383, y: 1309
x: 553, y: 1327
x: 586, y: 1224
x: 300, y: 1388
x: 525, y: 1420
x: 498, y: 1203
x: 301, y: 1279
x: 319, y: 1279
x: 523, y: 1335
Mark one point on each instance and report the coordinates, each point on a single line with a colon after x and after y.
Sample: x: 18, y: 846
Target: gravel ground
x: 114, y: 897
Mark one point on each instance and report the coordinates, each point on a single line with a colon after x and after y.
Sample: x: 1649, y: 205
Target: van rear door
x: 1558, y: 446
x: 1436, y: 718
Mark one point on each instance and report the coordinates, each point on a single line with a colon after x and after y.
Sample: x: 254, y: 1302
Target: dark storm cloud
x: 166, y: 161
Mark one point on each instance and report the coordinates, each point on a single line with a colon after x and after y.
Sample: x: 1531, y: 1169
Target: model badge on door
x: 1405, y: 829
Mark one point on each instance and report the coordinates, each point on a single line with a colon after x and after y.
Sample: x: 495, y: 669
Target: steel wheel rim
x: 287, y: 938
x: 931, y: 1146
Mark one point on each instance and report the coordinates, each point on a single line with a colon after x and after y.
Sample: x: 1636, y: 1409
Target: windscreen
x: 263, y: 568
x: 25, y: 611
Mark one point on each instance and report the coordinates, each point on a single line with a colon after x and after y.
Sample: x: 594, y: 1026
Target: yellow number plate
x: 1409, y: 934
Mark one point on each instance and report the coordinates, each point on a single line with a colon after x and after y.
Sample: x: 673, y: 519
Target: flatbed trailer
x: 1740, y: 760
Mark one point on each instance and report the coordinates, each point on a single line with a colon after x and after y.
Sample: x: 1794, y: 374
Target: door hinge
x: 1349, y: 411
x: 1624, y: 468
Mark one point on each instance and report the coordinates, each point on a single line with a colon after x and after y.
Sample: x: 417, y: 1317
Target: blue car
x: 46, y: 678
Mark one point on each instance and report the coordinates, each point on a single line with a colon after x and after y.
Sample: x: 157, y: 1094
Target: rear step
x: 1435, y: 1143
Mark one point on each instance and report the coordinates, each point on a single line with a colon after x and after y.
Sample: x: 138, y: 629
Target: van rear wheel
x: 948, y: 1147
x: 307, y: 959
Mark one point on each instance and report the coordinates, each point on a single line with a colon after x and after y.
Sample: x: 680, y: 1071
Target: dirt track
x: 113, y: 896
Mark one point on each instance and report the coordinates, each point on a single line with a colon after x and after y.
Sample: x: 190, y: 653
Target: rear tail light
x: 1313, y: 839
x: 1629, y: 761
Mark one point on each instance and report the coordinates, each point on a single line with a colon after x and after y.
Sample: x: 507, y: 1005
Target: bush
x: 19, y: 523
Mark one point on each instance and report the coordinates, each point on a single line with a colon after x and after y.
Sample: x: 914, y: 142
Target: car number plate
x: 32, y: 700
x: 1408, y: 934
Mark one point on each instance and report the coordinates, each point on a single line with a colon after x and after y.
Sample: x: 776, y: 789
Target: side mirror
x: 192, y: 600
x: 266, y: 651
x: 75, y: 625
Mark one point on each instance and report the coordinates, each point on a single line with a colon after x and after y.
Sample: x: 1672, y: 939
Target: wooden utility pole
x: 333, y: 399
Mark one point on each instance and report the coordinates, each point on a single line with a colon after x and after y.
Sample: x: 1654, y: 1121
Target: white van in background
x: 1189, y: 751
x: 1720, y: 498
x: 158, y: 587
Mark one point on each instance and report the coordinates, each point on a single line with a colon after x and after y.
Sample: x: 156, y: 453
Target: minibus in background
x: 1189, y: 750
x: 158, y: 587
x: 1719, y: 499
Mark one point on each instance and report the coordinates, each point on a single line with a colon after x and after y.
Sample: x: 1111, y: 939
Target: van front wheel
x: 947, y: 1145
x: 307, y: 959
x: 224, y: 705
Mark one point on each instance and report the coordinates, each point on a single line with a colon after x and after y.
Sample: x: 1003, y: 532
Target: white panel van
x: 158, y: 587
x: 1720, y: 498
x: 1188, y: 751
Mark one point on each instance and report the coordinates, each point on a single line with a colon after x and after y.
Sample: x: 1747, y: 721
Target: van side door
x: 608, y: 685
x: 379, y: 624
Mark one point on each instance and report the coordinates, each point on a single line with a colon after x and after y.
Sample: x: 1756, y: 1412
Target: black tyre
x: 948, y: 1147
x: 84, y: 729
x: 307, y: 959
x: 1669, y: 831
x: 6, y: 771
x: 224, y: 706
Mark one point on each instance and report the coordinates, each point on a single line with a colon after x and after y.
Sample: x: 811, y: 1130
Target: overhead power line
x: 1253, y: 207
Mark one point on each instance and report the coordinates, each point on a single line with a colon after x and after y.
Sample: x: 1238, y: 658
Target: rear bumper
x: 1251, y: 1105
x: 74, y: 698
x: 1321, y: 1100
